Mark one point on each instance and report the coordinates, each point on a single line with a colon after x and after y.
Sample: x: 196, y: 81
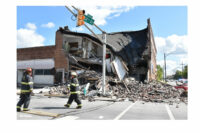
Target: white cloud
x: 101, y: 13
x: 77, y: 29
x: 174, y: 43
x: 31, y: 26
x: 27, y: 37
x: 171, y: 66
x: 48, y: 25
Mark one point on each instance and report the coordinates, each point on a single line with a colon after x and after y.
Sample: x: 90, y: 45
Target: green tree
x: 178, y: 74
x: 185, y: 72
x: 159, y: 72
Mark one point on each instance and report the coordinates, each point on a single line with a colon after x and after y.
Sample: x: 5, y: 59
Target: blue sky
x: 169, y: 24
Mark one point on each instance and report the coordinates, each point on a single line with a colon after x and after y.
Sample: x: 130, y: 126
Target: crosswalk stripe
x: 68, y: 118
x: 122, y: 113
x: 171, y: 116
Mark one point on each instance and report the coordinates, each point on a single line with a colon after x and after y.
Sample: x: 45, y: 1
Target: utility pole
x: 104, y: 48
x: 104, y: 59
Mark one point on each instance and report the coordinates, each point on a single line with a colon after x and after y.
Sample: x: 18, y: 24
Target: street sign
x: 88, y: 19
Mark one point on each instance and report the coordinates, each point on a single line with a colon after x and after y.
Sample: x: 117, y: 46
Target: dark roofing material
x: 129, y: 45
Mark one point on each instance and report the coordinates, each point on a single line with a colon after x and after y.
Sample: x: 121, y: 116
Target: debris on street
x: 125, y: 90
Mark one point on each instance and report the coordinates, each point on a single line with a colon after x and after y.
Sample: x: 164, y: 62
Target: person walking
x: 74, y: 91
x: 26, y: 90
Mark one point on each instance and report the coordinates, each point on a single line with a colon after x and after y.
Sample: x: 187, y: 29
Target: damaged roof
x: 119, y: 40
x: 68, y: 32
x: 130, y: 45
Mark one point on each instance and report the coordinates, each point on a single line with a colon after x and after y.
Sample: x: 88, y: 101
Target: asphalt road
x: 104, y: 110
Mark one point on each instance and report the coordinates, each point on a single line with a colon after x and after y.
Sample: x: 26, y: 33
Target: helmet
x: 29, y: 69
x: 73, y: 74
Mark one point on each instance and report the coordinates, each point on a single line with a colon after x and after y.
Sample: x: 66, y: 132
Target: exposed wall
x: 153, y: 52
x: 60, y: 58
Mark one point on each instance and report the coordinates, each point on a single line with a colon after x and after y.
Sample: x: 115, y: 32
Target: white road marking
x: 68, y: 118
x: 122, y: 113
x: 171, y: 116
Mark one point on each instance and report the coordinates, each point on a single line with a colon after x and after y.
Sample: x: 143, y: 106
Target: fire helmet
x: 73, y: 74
x: 29, y: 69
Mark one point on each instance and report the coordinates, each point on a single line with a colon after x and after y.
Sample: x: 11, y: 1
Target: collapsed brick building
x: 135, y: 50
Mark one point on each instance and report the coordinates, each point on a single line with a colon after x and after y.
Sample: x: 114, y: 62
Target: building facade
x: 72, y: 50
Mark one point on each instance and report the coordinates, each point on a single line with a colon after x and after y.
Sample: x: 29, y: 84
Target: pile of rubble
x: 132, y: 90
x: 148, y: 91
x: 129, y: 88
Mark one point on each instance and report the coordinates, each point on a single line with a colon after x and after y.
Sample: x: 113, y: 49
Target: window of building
x: 47, y: 72
x: 39, y: 72
x: 43, y: 72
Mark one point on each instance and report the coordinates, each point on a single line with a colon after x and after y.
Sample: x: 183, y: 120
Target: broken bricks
x: 149, y: 91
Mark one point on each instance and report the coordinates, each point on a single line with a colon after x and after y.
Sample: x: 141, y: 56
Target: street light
x: 165, y: 55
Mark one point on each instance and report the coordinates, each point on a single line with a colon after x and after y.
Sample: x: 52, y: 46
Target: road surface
x: 104, y: 110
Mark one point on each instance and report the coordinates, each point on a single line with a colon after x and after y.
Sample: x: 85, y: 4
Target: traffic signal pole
x: 83, y: 24
x: 104, y: 48
x: 104, y: 64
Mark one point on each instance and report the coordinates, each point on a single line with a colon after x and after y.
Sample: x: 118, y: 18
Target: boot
x: 78, y: 107
x: 67, y: 105
x: 18, y: 109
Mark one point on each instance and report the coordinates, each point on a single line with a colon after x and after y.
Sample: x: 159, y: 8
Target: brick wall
x: 152, y: 73
x: 35, y: 53
x: 44, y: 52
x: 60, y: 59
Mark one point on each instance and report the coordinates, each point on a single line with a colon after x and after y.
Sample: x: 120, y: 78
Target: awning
x: 36, y: 64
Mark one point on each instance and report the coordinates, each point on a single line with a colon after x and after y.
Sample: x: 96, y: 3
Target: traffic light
x: 80, y: 18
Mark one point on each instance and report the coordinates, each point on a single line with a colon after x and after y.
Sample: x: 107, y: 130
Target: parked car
x: 183, y: 86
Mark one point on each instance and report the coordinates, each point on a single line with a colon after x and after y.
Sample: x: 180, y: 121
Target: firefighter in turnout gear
x: 26, y: 90
x: 74, y: 91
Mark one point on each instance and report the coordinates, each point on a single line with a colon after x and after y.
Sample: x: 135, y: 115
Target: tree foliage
x: 180, y: 74
x: 185, y: 72
x: 159, y: 72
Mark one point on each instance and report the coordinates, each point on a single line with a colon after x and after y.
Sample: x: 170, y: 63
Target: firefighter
x: 74, y: 91
x: 26, y: 90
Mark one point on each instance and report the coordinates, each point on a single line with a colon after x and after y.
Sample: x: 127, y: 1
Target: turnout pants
x: 24, y: 100
x: 74, y: 97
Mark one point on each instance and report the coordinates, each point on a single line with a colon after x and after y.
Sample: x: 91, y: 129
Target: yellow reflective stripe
x: 74, y: 92
x: 80, y: 105
x: 27, y: 83
x: 75, y: 84
x: 24, y: 109
x: 18, y: 107
x: 22, y: 91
